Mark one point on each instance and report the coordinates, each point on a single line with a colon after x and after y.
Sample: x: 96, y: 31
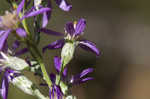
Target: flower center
x: 9, y: 20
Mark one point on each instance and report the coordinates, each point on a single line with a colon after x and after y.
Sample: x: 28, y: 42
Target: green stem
x: 36, y: 54
x: 61, y: 73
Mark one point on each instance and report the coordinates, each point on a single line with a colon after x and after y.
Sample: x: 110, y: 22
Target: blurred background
x: 121, y: 30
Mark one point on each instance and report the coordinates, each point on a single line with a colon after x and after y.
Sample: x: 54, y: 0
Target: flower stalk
x: 36, y: 55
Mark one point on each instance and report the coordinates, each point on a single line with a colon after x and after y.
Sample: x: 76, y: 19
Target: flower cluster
x: 16, y: 22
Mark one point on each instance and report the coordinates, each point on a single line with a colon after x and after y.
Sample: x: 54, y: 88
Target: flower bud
x: 13, y: 62
x: 24, y: 84
x: 67, y: 52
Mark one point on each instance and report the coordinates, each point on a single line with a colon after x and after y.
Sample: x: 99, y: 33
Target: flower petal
x: 51, y: 32
x: 34, y: 13
x: 53, y: 78
x: 22, y: 51
x: 45, y: 20
x: 55, y: 45
x: 4, y: 88
x: 65, y: 72
x: 5, y: 47
x: 85, y: 72
x: 63, y: 5
x: 69, y: 28
x: 15, y: 45
x: 80, y: 26
x: 47, y: 15
x: 89, y: 46
x: 20, y: 7
x: 86, y: 79
x: 21, y: 32
x: 50, y: 93
x: 59, y: 94
x: 58, y: 63
x: 3, y: 37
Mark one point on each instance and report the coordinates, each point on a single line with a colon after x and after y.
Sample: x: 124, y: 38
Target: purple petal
x: 89, y: 46
x: 51, y: 32
x: 1, y: 32
x: 70, y: 28
x: 53, y: 78
x: 5, y: 47
x: 1, y: 69
x: 47, y: 15
x: 4, y: 88
x: 30, y: 10
x: 45, y: 20
x: 65, y: 72
x: 63, y: 5
x: 55, y: 45
x: 21, y: 32
x: 20, y: 7
x: 53, y: 92
x: 85, y: 72
x: 34, y: 13
x: 80, y: 26
x: 3, y: 37
x: 11, y: 74
x: 22, y: 51
x: 49, y: 5
x: 50, y: 93
x: 86, y: 79
x: 58, y: 92
x: 15, y: 45
x: 58, y: 63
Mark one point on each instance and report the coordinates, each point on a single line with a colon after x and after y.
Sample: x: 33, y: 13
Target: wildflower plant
x: 14, y: 21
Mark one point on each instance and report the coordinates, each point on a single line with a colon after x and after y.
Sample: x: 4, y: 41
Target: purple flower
x: 56, y: 90
x: 14, y: 49
x: 80, y: 78
x: 8, y: 76
x: 58, y: 65
x: 76, y: 79
x: 73, y: 31
x: 63, y: 5
x: 10, y: 21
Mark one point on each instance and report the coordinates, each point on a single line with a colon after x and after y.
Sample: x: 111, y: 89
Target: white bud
x: 67, y: 52
x: 71, y: 97
x: 13, y: 62
x: 39, y: 95
x: 24, y: 84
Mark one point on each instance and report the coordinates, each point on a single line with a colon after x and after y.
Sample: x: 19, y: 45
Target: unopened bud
x: 26, y: 85
x: 13, y: 62
x: 67, y: 52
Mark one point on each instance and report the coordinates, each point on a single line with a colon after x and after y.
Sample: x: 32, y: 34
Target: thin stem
x: 61, y: 73
x: 36, y: 54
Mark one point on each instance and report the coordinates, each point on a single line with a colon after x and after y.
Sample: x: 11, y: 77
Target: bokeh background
x: 121, y: 30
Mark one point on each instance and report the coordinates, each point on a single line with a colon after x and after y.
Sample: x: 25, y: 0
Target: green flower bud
x: 26, y: 85
x: 13, y: 62
x: 67, y: 52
